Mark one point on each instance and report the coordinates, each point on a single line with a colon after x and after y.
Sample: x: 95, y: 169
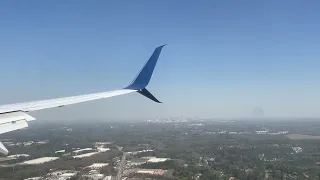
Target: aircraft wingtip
x: 144, y: 76
x: 162, y: 46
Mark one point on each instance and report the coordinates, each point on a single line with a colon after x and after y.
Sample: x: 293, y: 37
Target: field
x: 301, y: 136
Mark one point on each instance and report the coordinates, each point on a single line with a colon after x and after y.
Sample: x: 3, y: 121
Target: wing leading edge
x: 14, y: 117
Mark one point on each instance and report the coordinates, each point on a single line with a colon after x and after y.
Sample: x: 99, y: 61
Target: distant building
x: 102, y: 149
x: 98, y: 165
x: 297, y: 149
x: 28, y: 143
x: 40, y: 160
x: 137, y: 152
x: 136, y: 162
x: 108, y: 178
x: 63, y: 174
x: 261, y: 132
x: 283, y: 132
x: 60, y: 151
x: 153, y: 159
x: 94, y: 175
x: 85, y: 155
x: 34, y: 178
x: 102, y: 143
x: 42, y: 142
x: 80, y: 150
x: 15, y: 156
x: 159, y: 172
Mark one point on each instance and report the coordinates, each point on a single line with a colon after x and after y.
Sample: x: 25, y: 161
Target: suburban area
x: 167, y: 148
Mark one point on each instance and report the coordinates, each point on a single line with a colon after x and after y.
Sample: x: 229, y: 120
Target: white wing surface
x: 59, y: 102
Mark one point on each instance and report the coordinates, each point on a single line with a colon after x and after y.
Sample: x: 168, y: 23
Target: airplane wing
x: 14, y: 116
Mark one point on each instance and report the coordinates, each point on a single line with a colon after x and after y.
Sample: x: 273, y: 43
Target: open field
x: 302, y: 136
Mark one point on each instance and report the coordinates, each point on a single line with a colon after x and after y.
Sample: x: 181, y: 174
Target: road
x: 122, y: 163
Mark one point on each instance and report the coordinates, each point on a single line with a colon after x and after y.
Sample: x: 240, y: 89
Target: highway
x: 122, y: 163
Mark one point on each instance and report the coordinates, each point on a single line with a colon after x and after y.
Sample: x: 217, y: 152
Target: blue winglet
x: 144, y: 76
x: 147, y: 94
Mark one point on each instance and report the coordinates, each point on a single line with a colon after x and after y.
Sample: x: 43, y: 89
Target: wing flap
x: 7, y: 127
x: 15, y: 116
x: 11, y: 122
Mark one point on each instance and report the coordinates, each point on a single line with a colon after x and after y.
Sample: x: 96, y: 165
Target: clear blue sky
x: 223, y: 59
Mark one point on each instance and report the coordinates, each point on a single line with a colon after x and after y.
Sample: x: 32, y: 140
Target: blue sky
x: 223, y: 59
